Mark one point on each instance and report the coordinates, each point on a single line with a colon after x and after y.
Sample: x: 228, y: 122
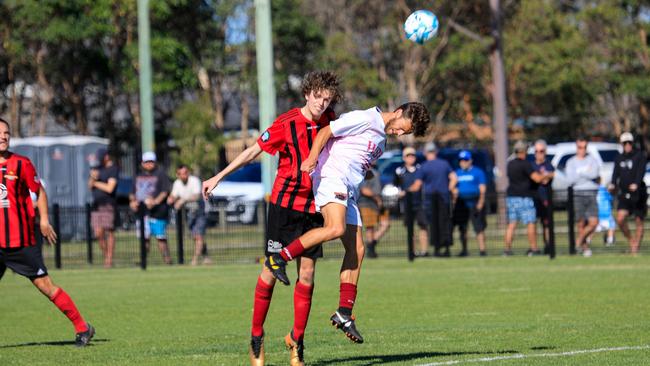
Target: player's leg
x: 479, y: 223
x: 350, y: 272
x: 423, y: 233
x: 638, y: 234
x: 158, y: 229
x: 384, y: 225
x: 302, y: 297
x: 621, y: 221
x: 333, y: 228
x: 110, y: 248
x: 29, y: 263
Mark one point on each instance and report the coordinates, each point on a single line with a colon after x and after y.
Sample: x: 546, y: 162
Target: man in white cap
x: 627, y: 182
x: 152, y: 187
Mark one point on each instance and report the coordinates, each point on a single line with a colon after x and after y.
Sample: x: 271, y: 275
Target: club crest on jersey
x: 266, y: 136
x: 273, y: 246
x: 11, y: 175
x: 341, y: 196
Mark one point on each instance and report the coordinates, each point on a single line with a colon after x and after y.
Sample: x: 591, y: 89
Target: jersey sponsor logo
x: 273, y: 246
x: 341, y: 196
x: 266, y: 136
x: 4, y: 202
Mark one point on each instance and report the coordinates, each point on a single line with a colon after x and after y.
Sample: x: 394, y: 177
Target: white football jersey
x: 358, y: 141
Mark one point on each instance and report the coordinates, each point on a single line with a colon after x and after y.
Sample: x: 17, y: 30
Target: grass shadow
x: 382, y: 359
x: 52, y: 343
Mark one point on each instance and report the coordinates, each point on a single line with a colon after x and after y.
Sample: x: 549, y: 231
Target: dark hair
x: 322, y: 80
x: 419, y: 116
x: 181, y: 166
x: 582, y: 138
x: 2, y: 120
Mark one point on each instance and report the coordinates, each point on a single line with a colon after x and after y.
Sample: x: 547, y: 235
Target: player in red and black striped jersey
x: 291, y: 210
x: 18, y: 249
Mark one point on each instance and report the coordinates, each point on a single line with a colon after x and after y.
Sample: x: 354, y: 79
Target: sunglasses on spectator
x: 540, y: 151
x: 627, y: 142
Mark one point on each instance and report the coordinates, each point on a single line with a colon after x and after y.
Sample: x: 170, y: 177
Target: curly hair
x: 322, y: 80
x: 419, y: 116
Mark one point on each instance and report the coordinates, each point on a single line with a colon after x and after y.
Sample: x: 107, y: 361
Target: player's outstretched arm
x: 46, y: 229
x: 319, y: 142
x: 242, y: 159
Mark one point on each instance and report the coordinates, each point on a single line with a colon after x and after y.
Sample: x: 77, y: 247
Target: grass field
x: 513, y: 311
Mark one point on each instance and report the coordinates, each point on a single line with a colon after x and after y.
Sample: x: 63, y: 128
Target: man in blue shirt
x: 543, y: 199
x: 470, y: 202
x: 436, y: 178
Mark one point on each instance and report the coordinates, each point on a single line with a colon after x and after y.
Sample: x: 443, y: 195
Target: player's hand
x: 479, y: 206
x: 611, y: 188
x: 308, y: 165
x: 48, y: 232
x: 179, y: 204
x: 633, y: 187
x: 208, y: 185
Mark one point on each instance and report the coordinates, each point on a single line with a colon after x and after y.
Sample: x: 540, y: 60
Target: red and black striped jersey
x: 17, y: 178
x: 292, y: 135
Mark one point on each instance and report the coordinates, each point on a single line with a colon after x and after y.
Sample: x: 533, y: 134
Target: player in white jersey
x: 349, y: 146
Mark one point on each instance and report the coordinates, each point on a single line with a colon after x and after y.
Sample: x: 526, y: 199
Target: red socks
x: 301, y: 306
x: 293, y: 250
x: 67, y: 307
x: 347, y: 296
x: 263, y: 294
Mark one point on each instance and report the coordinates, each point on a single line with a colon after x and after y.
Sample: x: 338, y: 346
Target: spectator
x: 470, y: 202
x: 404, y: 178
x: 374, y: 216
x: 627, y: 181
x: 186, y: 194
x: 542, y: 199
x: 583, y: 173
x: 102, y: 184
x: 606, y: 221
x: 437, y: 178
x: 519, y: 199
x: 151, y: 188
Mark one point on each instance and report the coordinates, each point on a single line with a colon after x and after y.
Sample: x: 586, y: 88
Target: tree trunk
x: 216, y: 83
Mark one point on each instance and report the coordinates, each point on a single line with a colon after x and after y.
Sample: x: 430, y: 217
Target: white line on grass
x: 520, y: 356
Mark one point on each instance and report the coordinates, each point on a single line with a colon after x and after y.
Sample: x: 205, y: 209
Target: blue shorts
x: 153, y: 227
x: 521, y: 209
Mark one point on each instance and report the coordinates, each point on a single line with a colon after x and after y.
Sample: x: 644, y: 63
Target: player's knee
x: 335, y: 231
x: 306, y: 275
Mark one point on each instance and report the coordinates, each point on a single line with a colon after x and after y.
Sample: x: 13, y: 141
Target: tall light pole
x: 499, y: 99
x: 144, y: 61
x: 265, y: 84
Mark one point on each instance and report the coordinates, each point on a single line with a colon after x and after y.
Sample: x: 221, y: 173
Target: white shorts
x: 606, y: 224
x: 328, y: 190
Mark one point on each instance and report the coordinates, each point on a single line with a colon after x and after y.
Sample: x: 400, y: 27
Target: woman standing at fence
x: 18, y: 249
x: 103, y: 185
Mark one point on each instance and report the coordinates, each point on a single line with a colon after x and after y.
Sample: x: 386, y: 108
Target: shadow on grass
x: 382, y: 359
x: 52, y: 343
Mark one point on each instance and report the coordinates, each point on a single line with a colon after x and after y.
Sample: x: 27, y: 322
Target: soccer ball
x: 421, y: 26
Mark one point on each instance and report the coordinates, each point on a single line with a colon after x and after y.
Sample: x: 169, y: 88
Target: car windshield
x: 248, y: 173
x: 608, y: 156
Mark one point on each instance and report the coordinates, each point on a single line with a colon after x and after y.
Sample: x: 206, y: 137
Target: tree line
x: 576, y: 66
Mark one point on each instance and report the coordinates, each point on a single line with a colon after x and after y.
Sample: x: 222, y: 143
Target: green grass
x: 410, y: 314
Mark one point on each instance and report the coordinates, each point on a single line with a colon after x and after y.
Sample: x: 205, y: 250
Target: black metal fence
x: 228, y: 240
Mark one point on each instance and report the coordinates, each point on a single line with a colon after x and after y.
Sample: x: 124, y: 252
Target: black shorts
x: 463, y: 214
x: 634, y: 202
x: 286, y: 225
x: 543, y: 210
x: 27, y: 261
x: 419, y: 217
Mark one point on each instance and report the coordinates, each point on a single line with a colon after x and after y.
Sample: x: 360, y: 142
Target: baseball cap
x: 149, y: 156
x: 465, y: 155
x: 430, y: 146
x: 626, y: 137
x: 408, y: 151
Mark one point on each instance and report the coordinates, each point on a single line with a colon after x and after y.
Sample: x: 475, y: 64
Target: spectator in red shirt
x: 18, y: 249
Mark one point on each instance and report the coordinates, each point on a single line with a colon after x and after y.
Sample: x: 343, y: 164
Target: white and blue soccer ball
x: 421, y: 26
